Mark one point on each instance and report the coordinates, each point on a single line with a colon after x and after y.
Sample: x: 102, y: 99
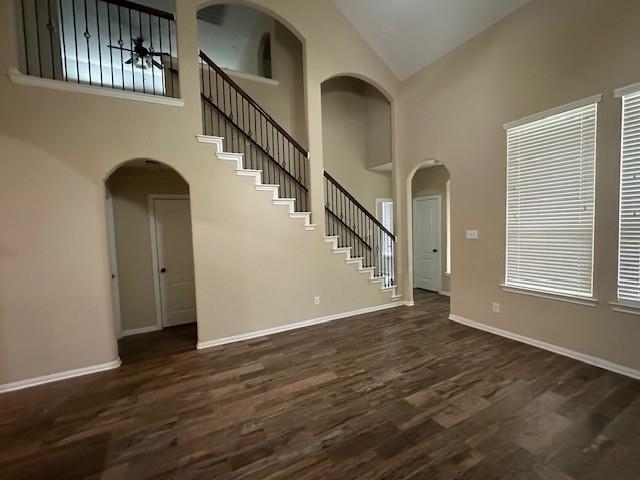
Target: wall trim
x: 409, y: 303
x: 582, y: 357
x: 624, y: 307
x: 138, y: 331
x: 19, y: 78
x: 295, y: 326
x: 445, y: 293
x: 251, y: 77
x: 586, y: 301
x: 554, y: 111
x: 628, y: 90
x: 54, y: 377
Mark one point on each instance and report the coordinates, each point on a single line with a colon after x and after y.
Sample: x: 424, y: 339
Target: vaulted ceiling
x: 410, y: 34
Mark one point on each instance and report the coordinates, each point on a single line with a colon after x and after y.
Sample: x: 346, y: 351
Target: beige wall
x: 546, y: 54
x: 130, y: 188
x: 378, y: 131
x: 348, y: 125
x: 59, y: 147
x: 433, y: 181
x: 284, y: 101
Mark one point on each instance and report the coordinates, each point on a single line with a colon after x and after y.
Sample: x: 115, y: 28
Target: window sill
x: 19, y: 78
x: 633, y: 309
x: 586, y: 301
x: 251, y: 77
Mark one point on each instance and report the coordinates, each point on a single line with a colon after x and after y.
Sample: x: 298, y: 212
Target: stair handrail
x: 258, y: 146
x: 142, y: 8
x: 358, y: 204
x: 353, y: 232
x: 253, y: 103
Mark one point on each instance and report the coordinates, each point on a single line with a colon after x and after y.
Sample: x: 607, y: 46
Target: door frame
x: 155, y: 266
x: 437, y: 197
x: 113, y: 265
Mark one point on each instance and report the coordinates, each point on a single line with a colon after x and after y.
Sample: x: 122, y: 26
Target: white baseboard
x: 54, y: 377
x: 583, y: 357
x: 445, y: 293
x: 409, y: 303
x: 294, y: 326
x: 137, y: 331
x: 20, y: 79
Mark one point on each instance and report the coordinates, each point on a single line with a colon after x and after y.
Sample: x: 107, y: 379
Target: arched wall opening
x: 262, y: 55
x: 428, y: 228
x: 150, y: 253
x: 357, y: 138
x: 357, y: 161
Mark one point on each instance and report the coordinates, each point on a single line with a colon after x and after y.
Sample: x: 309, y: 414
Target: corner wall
x: 545, y: 54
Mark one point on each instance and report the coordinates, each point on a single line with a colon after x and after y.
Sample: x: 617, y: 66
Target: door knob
x: 162, y: 270
x: 435, y: 250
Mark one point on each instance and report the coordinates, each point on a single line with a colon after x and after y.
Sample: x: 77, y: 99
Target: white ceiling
x: 410, y: 34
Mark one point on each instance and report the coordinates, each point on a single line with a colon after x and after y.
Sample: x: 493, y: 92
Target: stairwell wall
x: 255, y: 267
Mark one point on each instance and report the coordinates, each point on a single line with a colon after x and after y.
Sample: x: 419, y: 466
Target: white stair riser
x: 290, y: 203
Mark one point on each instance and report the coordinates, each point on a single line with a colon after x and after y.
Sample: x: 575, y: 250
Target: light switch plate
x: 472, y: 234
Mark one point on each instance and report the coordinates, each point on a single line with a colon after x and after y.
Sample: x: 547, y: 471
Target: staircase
x: 262, y: 149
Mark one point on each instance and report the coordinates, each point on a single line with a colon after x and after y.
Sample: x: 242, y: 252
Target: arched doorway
x: 150, y: 255
x: 429, y: 228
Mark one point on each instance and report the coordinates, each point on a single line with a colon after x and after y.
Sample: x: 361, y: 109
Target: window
x: 629, y: 213
x: 384, y: 212
x: 550, y: 200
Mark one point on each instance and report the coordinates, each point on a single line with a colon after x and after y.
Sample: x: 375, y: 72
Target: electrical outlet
x: 471, y: 234
x: 316, y: 300
x: 496, y: 307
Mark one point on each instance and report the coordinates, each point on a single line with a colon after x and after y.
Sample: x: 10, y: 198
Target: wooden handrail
x: 359, y: 205
x: 362, y: 240
x: 260, y: 147
x: 141, y: 8
x: 251, y: 101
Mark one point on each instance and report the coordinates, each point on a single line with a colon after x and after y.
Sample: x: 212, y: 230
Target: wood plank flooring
x: 399, y: 394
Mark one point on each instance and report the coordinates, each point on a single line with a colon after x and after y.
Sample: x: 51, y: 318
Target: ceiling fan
x: 141, y: 56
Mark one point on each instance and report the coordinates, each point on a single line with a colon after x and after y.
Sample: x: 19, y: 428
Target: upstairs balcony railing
x: 107, y: 43
x: 229, y: 112
x: 357, y: 228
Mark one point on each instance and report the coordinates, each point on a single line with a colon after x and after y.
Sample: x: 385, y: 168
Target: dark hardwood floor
x: 399, y: 394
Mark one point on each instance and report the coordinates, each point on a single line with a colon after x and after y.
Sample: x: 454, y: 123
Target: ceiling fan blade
x: 156, y: 54
x: 158, y: 65
x: 129, y: 62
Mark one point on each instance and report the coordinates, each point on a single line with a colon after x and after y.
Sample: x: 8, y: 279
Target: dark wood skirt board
x: 397, y: 394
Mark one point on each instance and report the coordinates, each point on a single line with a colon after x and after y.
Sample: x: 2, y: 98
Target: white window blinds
x: 550, y: 202
x: 629, y: 228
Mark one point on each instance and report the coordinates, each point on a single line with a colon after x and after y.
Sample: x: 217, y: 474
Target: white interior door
x: 426, y: 243
x: 175, y: 261
x: 113, y: 266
